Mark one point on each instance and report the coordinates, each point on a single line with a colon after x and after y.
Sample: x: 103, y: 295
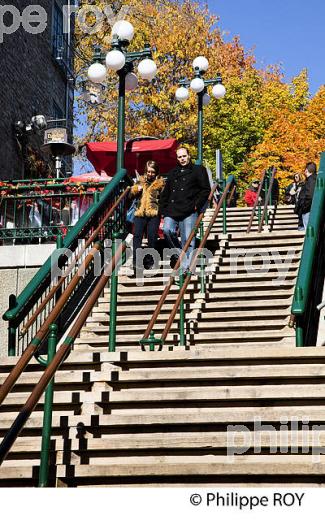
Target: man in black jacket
x: 184, y: 196
x: 306, y: 194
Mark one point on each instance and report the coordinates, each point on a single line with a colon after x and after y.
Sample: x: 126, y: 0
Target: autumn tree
x: 178, y: 32
x: 261, y: 122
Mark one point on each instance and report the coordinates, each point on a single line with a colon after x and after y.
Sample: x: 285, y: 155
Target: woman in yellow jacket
x: 146, y: 216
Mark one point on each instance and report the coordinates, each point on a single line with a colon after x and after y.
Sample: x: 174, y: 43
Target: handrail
x: 91, y: 239
x: 194, y: 260
x: 175, y: 270
x: 267, y: 198
x: 42, y: 332
x: 22, y: 308
x: 231, y: 196
x: 256, y: 202
x: 183, y: 252
x: 54, y: 186
x: 45, y: 271
x: 59, y: 357
x: 313, y: 239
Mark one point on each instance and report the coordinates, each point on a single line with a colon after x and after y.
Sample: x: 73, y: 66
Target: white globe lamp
x: 218, y: 91
x: 115, y: 60
x: 182, y: 94
x: 97, y: 73
x: 197, y: 85
x: 147, y: 69
x: 201, y: 63
x: 124, y: 30
x: 131, y: 81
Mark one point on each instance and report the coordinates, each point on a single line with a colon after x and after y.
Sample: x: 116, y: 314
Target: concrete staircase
x: 217, y: 411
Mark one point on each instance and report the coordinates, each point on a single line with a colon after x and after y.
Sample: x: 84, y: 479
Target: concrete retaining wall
x: 18, y: 264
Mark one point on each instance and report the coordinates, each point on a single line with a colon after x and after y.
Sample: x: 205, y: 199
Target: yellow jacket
x: 148, y: 204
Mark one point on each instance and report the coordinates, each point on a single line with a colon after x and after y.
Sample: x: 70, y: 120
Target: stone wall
x: 31, y: 80
x: 26, y: 261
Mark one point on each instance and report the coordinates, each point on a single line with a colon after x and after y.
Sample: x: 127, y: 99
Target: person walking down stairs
x: 146, y: 216
x: 186, y: 192
x: 292, y: 194
x: 305, y: 199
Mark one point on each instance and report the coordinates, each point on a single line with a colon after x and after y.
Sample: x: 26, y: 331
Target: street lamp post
x: 121, y: 61
x: 199, y: 85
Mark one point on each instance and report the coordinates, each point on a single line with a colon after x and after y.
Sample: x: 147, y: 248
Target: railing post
x: 113, y: 299
x: 224, y: 212
x: 259, y: 214
x: 299, y: 320
x: 12, y: 330
x: 299, y: 333
x: 202, y: 263
x: 265, y: 195
x: 181, y: 312
x: 47, y: 418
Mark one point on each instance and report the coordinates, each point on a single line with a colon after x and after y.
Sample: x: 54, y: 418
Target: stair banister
x: 194, y: 260
x: 59, y: 357
x: 172, y: 277
x: 314, y: 241
x: 267, y: 199
x: 256, y: 203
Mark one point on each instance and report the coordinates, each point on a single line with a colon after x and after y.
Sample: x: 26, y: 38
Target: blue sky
x: 285, y: 32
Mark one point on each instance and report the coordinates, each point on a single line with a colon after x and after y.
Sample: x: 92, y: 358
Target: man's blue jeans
x: 185, y: 227
x: 305, y: 219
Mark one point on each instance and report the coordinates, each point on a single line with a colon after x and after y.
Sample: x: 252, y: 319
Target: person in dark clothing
x: 292, y: 194
x: 186, y: 192
x: 306, y: 193
x: 292, y: 191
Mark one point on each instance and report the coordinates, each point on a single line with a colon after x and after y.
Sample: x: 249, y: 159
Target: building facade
x: 36, y: 61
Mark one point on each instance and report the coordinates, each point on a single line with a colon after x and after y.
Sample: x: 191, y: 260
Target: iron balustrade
x: 76, y: 245
x: 36, y: 212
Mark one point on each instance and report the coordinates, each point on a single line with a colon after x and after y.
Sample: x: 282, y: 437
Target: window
x: 57, y: 29
x: 60, y: 46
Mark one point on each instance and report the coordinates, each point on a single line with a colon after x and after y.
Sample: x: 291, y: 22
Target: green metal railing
x: 184, y: 278
x: 311, y: 273
x: 35, y: 212
x: 37, y: 292
x: 46, y: 382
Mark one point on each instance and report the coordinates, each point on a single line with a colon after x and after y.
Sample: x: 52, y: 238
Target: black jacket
x: 306, y: 195
x: 186, y: 191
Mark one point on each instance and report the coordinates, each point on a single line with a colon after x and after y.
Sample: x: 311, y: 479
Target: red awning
x: 137, y: 153
x: 90, y: 177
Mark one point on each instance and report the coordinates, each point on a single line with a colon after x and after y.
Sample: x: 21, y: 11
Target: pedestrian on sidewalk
x: 147, y: 216
x: 184, y: 196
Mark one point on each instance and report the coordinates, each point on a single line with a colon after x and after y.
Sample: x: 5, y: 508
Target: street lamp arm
x: 184, y: 83
x: 133, y: 56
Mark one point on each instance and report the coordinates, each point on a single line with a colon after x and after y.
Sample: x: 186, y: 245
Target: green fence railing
x: 311, y: 273
x: 38, y: 211
x: 36, y: 293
